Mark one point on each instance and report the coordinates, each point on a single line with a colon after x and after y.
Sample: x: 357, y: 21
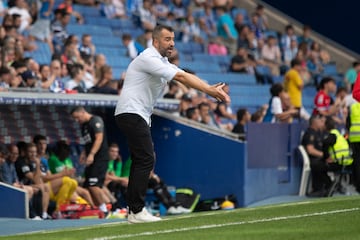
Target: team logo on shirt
x: 98, y: 125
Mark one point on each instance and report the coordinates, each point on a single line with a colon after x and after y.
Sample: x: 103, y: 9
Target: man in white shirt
x: 145, y: 80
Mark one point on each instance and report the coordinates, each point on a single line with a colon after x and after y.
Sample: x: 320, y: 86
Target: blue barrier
x: 14, y: 202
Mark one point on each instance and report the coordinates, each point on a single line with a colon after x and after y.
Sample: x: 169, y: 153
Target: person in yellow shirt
x: 294, y: 84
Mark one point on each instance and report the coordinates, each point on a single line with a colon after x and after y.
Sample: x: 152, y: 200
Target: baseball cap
x: 28, y: 74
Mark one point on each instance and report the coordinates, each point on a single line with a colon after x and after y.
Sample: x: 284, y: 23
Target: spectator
x: 223, y: 110
x: 103, y: 85
x: 57, y: 85
x: 216, y: 47
x: 351, y: 74
x: 41, y: 28
x: 99, y: 61
x: 58, y: 29
x: 291, y: 52
x: 271, y: 55
x: 210, y: 20
x: 275, y: 113
x: 323, y: 56
x: 239, y: 22
x: 185, y: 103
x: 173, y: 90
x: 226, y: 29
x: 21, y: 8
x: 145, y: 39
x: 341, y: 115
x: 114, y: 9
x: 66, y: 5
x: 76, y: 82
x: 305, y: 37
x: 287, y: 37
x: 258, y: 115
x: 89, y: 73
x: 5, y: 78
x: 179, y: 9
x: 28, y: 169
x: 160, y: 10
x: 94, y: 155
x: 30, y: 80
x: 147, y: 18
x: 71, y: 53
x: 243, y: 117
x: 313, y: 144
x: 206, y: 115
x: 192, y: 113
x: 294, y: 84
x: 191, y: 31
x: 324, y: 105
x: 263, y: 21
x: 86, y: 48
x: 133, y: 48
x: 255, y: 26
x: 242, y: 63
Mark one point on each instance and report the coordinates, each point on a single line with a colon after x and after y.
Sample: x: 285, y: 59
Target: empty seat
x: 201, y: 67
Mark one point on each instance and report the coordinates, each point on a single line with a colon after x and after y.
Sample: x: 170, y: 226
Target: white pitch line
x: 226, y: 224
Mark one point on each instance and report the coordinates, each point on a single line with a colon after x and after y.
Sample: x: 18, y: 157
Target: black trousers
x: 140, y: 143
x: 355, y: 146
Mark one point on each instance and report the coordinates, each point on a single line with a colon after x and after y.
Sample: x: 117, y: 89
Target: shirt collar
x: 158, y: 54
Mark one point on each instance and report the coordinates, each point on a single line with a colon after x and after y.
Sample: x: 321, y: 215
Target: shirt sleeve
x: 98, y: 125
x: 276, y: 107
x: 160, y: 68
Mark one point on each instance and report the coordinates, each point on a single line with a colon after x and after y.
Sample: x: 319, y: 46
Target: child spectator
x: 275, y: 111
x: 243, y: 117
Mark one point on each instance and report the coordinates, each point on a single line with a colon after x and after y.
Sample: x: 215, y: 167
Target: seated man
x: 336, y: 150
x: 313, y: 144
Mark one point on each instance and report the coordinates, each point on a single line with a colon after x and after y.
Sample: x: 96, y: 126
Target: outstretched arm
x: 193, y: 81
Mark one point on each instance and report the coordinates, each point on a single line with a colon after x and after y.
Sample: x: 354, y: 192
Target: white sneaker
x: 36, y: 218
x: 141, y: 217
x: 181, y: 209
x: 173, y: 210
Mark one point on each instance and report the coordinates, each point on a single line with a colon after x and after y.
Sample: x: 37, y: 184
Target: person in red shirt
x: 323, y: 102
x: 356, y: 89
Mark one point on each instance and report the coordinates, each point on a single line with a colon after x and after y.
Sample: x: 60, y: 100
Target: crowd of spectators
x: 220, y: 27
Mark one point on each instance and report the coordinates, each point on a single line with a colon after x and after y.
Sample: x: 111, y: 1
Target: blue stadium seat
x: 87, y: 11
x: 117, y: 71
x: 330, y: 69
x: 111, y: 51
x: 201, y: 67
x: 118, y: 61
x: 230, y: 78
x: 249, y: 90
x: 205, y: 57
x: 183, y: 47
x: 107, y: 41
x: 89, y: 29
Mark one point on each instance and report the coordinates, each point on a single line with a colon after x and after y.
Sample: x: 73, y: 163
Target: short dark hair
x: 241, y: 113
x: 157, y: 30
x: 330, y: 123
x: 77, y: 109
x: 190, y: 112
x: 295, y: 62
x: 325, y: 80
x: 4, y: 70
x: 276, y: 89
x: 38, y: 137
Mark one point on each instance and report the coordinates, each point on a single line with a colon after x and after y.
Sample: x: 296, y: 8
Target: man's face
x: 165, y: 43
x: 31, y: 153
x: 13, y: 154
x: 79, y: 117
x: 41, y: 146
x: 113, y: 153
